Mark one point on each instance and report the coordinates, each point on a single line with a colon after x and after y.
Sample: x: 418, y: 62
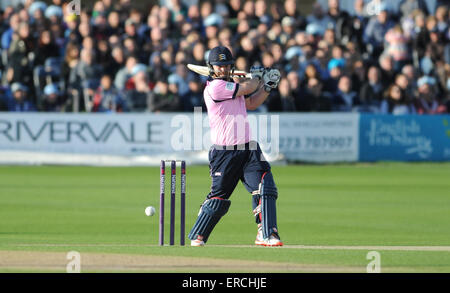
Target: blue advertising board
x: 404, y: 137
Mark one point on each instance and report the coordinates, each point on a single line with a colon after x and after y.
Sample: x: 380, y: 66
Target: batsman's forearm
x: 256, y: 100
x: 248, y: 87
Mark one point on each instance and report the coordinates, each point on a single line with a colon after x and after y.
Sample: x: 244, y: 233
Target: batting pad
x: 266, y: 188
x: 210, y: 213
x: 268, y: 215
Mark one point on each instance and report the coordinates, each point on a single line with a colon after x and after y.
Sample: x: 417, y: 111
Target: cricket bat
x: 203, y: 70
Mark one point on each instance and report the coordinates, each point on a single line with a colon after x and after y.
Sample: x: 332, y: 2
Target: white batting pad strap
x: 257, y: 210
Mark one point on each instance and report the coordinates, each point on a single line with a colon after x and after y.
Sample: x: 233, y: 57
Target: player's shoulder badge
x: 229, y: 86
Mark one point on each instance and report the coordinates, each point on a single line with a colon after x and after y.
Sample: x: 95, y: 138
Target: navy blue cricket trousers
x: 229, y: 165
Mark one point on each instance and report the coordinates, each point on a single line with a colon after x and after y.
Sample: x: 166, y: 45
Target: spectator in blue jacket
x: 19, y: 102
x: 345, y: 98
x: 376, y: 30
x: 53, y: 99
x: 14, y: 22
x: 108, y: 98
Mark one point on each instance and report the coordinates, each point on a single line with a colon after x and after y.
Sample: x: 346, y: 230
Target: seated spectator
x: 71, y: 59
x: 4, y: 96
x: 329, y: 38
x: 117, y: 61
x: 248, y: 11
x: 351, y: 55
x: 387, y: 72
x: 107, y: 98
x: 159, y: 40
x: 403, y: 82
x: 446, y: 101
x: 310, y: 72
x: 113, y: 24
x: 70, y: 33
x: 345, y: 99
x: 306, y: 58
x: 321, y: 62
x: 45, y: 49
x: 315, y: 98
x: 131, y: 32
x: 376, y: 30
x: 442, y: 18
x: 358, y: 23
x: 261, y: 11
x: 397, y: 47
x: 337, y: 53
x: 395, y: 102
x: 277, y: 53
x: 212, y: 25
x: 20, y: 101
x: 85, y: 69
x: 167, y: 61
x: 435, y: 49
x: 272, y: 103
x: 84, y: 77
x: 426, y: 101
x: 139, y: 98
x: 242, y: 64
x: 371, y: 92
x: 287, y: 99
x: 342, y: 20
x: 408, y: 6
x: 358, y: 75
x: 7, y: 36
x: 157, y: 68
x: 335, y: 69
x: 181, y: 77
x: 131, y: 49
x: 104, y: 58
x: 19, y: 54
x: 410, y: 73
x: 248, y: 50
x: 320, y: 18
x: 293, y: 59
x: 124, y: 74
x: 53, y: 100
x: 165, y: 98
x: 291, y: 10
x: 267, y: 60
x: 314, y: 33
x: 3, y: 25
x: 54, y: 13
x: 194, y: 98
x: 421, y: 34
x: 296, y: 91
x: 193, y: 17
x: 198, y: 54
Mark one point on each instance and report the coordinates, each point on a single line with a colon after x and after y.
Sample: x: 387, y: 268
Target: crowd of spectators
x: 113, y: 57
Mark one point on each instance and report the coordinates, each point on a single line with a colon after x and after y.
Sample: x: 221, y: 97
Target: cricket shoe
x: 272, y: 241
x: 198, y: 242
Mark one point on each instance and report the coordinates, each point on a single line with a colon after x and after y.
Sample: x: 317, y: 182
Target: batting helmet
x: 220, y: 56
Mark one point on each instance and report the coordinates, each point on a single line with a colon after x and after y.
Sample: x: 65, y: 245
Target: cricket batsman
x: 233, y: 156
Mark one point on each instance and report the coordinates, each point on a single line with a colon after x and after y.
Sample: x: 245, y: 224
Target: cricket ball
x: 150, y: 211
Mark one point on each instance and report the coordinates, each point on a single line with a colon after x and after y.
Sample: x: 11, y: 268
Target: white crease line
x: 318, y: 247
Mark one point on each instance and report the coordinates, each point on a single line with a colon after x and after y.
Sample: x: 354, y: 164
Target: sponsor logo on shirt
x: 229, y: 86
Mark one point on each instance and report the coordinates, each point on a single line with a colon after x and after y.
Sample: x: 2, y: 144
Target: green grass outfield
x: 329, y: 217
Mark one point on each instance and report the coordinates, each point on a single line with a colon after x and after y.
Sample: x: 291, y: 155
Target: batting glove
x: 271, y: 78
x: 257, y: 71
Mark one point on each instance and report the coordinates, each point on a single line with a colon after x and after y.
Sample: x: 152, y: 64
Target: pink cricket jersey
x: 227, y: 113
